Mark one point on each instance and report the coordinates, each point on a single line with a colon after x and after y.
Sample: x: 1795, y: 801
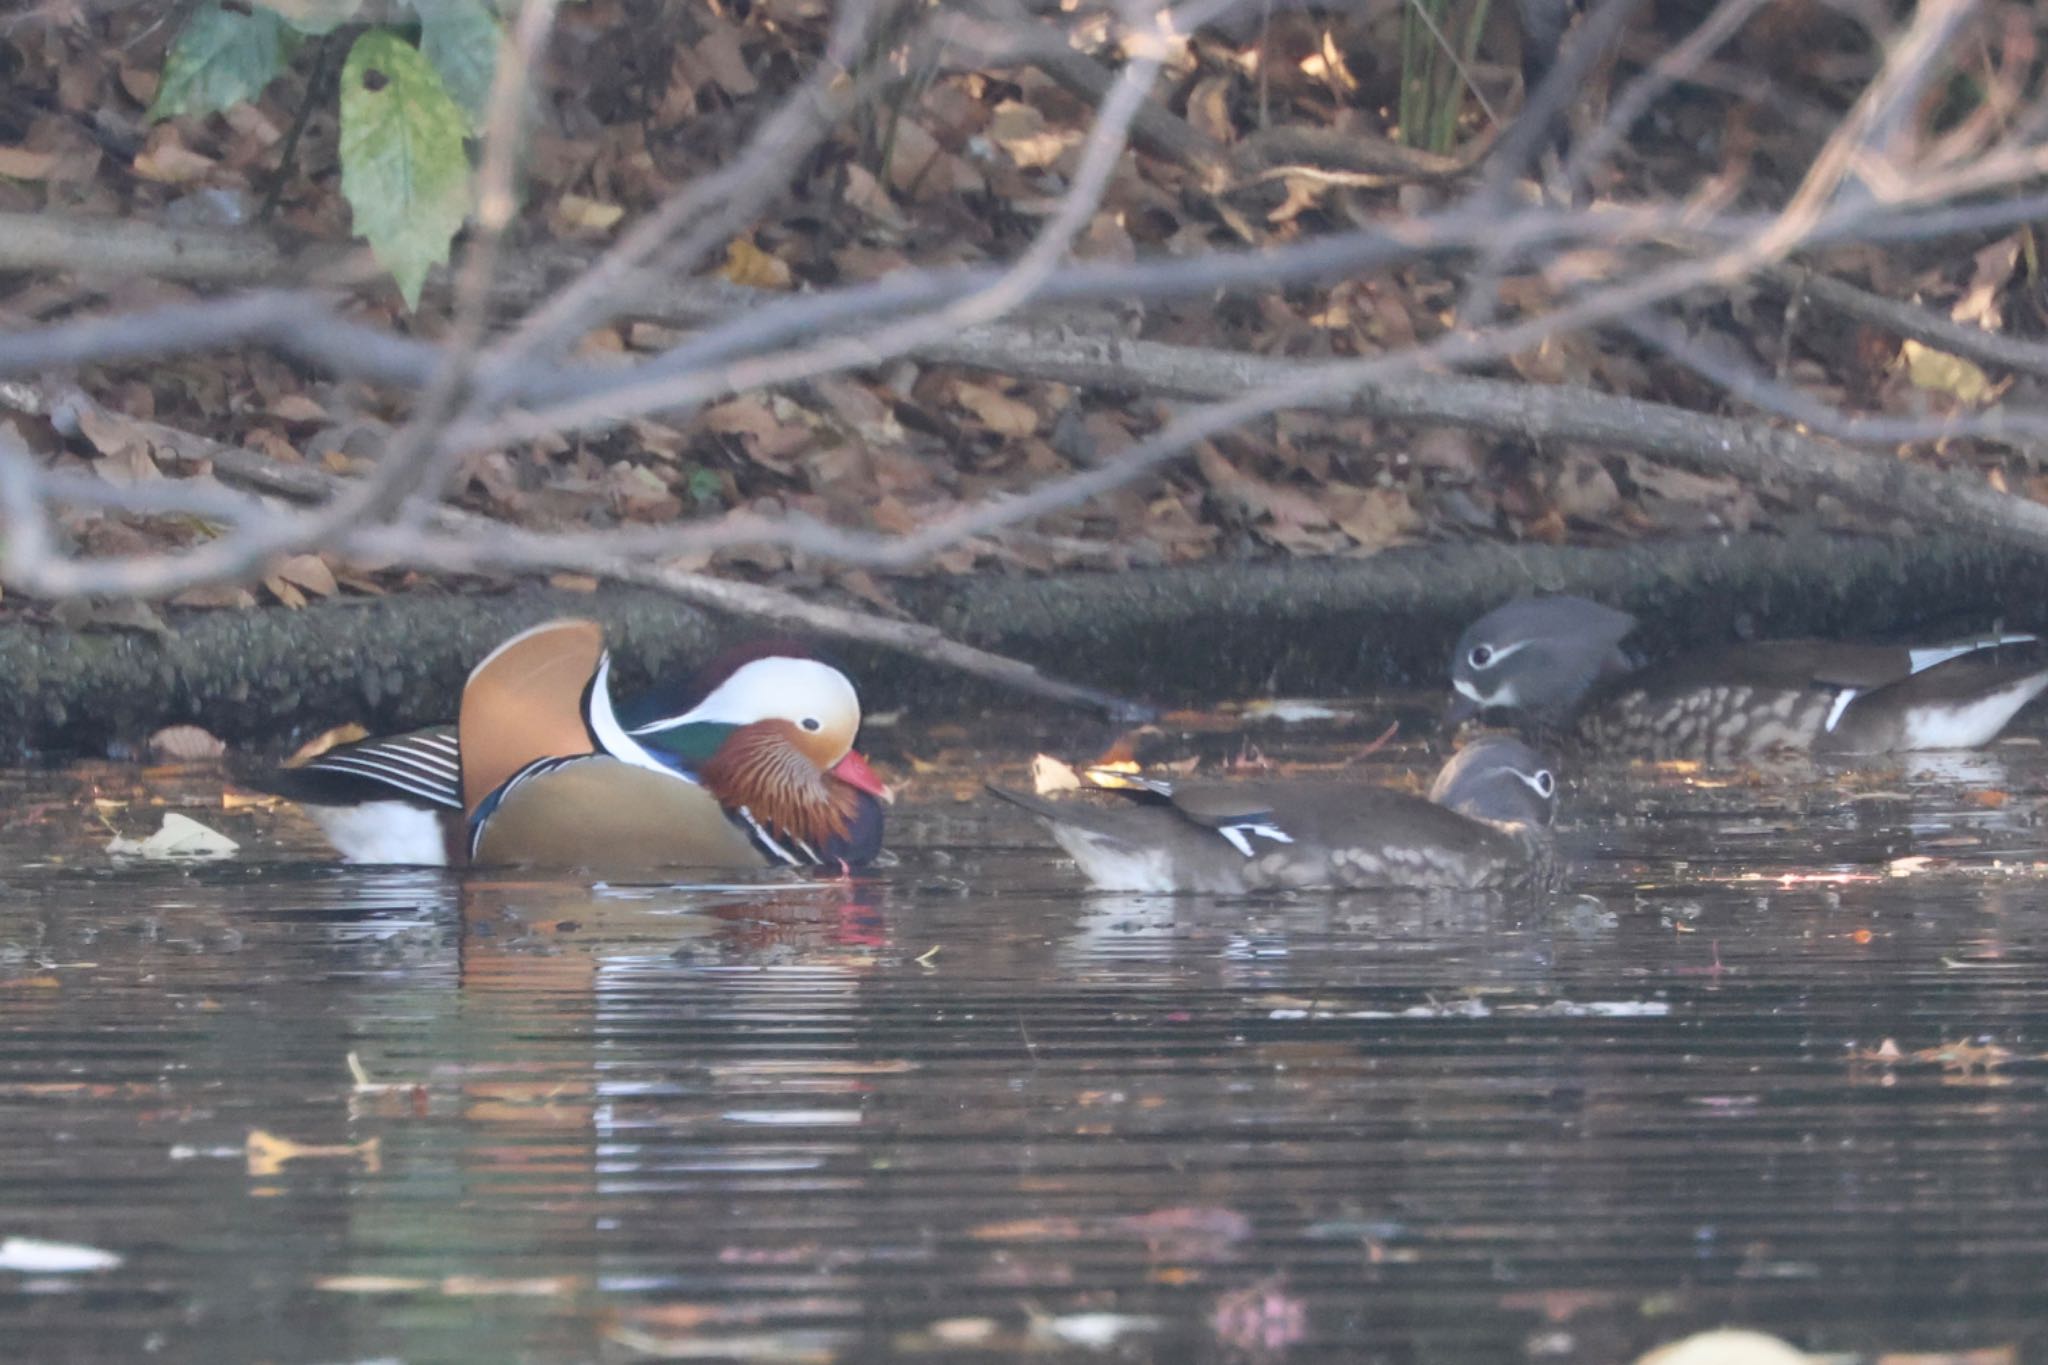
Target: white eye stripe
x: 1540, y: 781
x: 1496, y: 653
x: 765, y: 689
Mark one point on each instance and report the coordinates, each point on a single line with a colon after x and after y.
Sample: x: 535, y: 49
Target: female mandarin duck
x: 1485, y: 826
x: 1553, y: 662
x: 752, y: 767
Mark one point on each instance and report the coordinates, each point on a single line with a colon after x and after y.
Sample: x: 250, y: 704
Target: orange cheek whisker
x: 760, y: 768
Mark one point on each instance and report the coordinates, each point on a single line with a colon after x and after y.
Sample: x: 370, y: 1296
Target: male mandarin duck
x: 752, y: 766
x: 1557, y: 662
x: 1485, y: 826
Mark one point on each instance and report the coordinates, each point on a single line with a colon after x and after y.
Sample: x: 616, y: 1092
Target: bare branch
x: 518, y: 551
x: 2014, y: 353
x: 1878, y: 177
x: 717, y: 205
x: 1747, y: 384
x: 114, y: 246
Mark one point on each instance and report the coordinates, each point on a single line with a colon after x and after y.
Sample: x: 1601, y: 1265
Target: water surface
x: 1774, y: 1056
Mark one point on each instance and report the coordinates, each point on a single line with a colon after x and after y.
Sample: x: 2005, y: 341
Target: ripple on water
x: 1774, y: 1056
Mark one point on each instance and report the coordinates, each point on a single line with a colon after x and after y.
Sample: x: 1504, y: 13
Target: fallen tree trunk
x: 1295, y: 627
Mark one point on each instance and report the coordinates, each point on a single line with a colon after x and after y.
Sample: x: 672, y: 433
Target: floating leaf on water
x: 365, y: 1085
x: 799, y: 1118
x: 1096, y: 1331
x: 962, y: 1331
x: 486, y: 1286
x: 33, y: 1256
x: 1050, y: 1229
x: 1049, y: 775
x: 1294, y: 711
x: 180, y: 837
x: 266, y: 1153
x: 371, y: 1284
x: 1726, y: 1346
x: 1261, y: 1318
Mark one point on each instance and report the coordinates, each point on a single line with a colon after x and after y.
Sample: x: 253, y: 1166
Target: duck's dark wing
x: 1958, y: 703
x: 1789, y: 665
x: 1797, y: 664
x: 421, y: 768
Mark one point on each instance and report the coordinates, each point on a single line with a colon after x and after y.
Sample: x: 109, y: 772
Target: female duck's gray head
x: 1538, y: 656
x: 1500, y: 779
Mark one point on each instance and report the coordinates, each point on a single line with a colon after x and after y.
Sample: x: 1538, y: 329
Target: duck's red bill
x: 854, y: 771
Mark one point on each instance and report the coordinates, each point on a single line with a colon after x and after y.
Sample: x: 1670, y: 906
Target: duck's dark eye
x: 1482, y: 655
x: 1545, y: 783
x: 812, y: 723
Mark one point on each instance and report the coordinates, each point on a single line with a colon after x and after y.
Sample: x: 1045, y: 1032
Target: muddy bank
x: 1179, y: 635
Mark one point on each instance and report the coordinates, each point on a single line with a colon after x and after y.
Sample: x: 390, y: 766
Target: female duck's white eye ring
x: 812, y: 723
x: 1545, y: 783
x: 1482, y: 655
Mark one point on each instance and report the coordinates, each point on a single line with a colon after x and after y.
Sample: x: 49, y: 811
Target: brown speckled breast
x: 1711, y: 723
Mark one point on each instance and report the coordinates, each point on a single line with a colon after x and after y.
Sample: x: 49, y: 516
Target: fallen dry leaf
x: 1022, y: 132
x: 309, y: 572
x: 19, y: 163
x: 1941, y: 372
x: 185, y: 744
x: 1965, y: 1059
x: 574, y: 215
x: 1991, y: 269
x: 325, y: 740
x: 719, y: 50
x: 746, y: 264
x: 1000, y: 413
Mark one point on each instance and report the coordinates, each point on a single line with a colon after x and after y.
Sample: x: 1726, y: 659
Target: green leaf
x: 403, y: 166
x: 317, y: 17
x: 460, y: 37
x: 220, y: 59
x: 704, y: 485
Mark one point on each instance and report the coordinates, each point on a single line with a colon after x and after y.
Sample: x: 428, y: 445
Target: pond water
x: 1777, y: 1056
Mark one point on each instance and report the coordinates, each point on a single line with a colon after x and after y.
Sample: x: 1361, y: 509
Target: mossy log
x: 1202, y: 633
